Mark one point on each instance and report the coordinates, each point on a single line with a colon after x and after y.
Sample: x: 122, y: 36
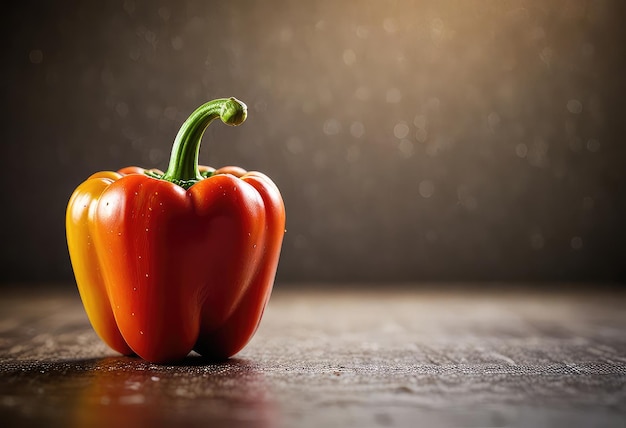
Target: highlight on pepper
x: 181, y: 260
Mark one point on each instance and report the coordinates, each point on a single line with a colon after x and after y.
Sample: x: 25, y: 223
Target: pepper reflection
x: 131, y: 392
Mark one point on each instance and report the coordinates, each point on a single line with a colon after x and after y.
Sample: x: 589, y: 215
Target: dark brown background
x: 412, y: 140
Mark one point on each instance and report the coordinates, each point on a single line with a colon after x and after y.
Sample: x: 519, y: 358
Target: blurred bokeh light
x: 412, y: 140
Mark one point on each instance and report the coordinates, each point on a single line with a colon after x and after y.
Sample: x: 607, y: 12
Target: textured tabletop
x: 379, y: 357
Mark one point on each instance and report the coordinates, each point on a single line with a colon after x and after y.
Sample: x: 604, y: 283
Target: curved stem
x: 183, y: 166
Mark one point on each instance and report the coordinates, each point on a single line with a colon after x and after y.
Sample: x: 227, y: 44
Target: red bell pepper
x: 166, y: 263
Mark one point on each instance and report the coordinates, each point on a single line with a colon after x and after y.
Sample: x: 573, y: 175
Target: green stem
x: 183, y: 166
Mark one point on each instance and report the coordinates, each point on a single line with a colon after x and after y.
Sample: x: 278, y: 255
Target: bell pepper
x: 166, y: 263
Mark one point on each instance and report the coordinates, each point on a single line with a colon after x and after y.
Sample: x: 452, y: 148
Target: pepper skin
x: 167, y: 263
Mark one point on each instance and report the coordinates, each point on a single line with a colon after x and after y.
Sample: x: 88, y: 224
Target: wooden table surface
x: 383, y: 357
